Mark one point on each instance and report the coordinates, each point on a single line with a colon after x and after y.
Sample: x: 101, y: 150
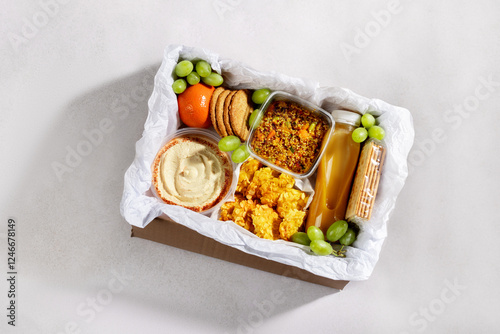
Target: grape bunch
x: 189, y: 73
x: 368, y: 129
x: 314, y: 238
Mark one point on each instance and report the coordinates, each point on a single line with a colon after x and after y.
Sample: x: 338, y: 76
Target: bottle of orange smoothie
x: 335, y: 172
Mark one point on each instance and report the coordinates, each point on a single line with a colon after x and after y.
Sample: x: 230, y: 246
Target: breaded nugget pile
x: 266, y: 202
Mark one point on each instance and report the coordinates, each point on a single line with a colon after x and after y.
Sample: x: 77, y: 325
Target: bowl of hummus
x: 191, y: 171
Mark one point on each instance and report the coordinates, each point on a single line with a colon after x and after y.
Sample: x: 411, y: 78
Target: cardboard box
x: 170, y: 233
x: 200, y: 234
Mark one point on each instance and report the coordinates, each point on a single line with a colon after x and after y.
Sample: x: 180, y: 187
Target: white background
x: 66, y: 65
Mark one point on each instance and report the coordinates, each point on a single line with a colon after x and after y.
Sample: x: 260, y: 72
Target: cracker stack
x: 365, y: 186
x: 229, y: 112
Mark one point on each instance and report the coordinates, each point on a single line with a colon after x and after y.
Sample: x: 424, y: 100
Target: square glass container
x: 290, y: 153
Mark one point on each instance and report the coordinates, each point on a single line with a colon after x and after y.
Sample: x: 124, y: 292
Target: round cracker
x: 213, y: 103
x: 227, y: 107
x: 239, y: 111
x: 219, y: 110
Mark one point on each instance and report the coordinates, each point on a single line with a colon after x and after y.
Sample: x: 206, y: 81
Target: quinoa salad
x: 289, y: 136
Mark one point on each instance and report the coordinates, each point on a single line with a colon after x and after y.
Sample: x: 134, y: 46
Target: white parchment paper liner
x: 139, y: 206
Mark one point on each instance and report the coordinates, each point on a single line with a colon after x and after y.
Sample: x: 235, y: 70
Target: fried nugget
x: 286, y: 181
x: 272, y: 190
x: 291, y: 199
x: 226, y: 211
x: 261, y: 177
x: 266, y: 222
x: 266, y: 203
x: 243, y: 214
x: 270, y: 195
x: 247, y: 172
x: 291, y: 223
x: 239, y: 212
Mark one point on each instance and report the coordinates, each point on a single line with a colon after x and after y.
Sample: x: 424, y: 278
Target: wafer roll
x: 366, y: 181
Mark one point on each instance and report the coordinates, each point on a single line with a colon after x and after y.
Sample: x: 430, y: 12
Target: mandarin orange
x: 194, y: 105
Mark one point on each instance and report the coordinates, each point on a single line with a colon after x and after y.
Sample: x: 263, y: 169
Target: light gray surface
x: 438, y: 271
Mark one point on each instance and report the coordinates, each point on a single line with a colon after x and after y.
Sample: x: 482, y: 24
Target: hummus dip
x: 192, y: 172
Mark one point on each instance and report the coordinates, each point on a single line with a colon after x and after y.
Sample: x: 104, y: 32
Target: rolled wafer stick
x: 363, y: 197
x: 366, y: 181
x: 365, y: 203
x: 361, y: 181
x: 375, y: 178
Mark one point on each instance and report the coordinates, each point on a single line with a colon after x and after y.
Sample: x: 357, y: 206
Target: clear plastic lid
x: 346, y: 116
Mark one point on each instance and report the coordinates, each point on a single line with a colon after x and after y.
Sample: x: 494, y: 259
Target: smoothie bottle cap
x: 345, y: 116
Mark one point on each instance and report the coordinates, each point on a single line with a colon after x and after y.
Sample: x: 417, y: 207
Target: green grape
x: 193, y: 78
x: 179, y: 86
x: 348, y: 238
x: 203, y: 68
x: 254, y: 119
x: 240, y: 154
x: 336, y: 230
x: 315, y: 233
x: 183, y: 68
x: 367, y: 120
x: 229, y: 143
x: 301, y: 238
x: 213, y: 79
x: 260, y: 95
x: 359, y: 135
x: 376, y: 132
x: 321, y: 247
